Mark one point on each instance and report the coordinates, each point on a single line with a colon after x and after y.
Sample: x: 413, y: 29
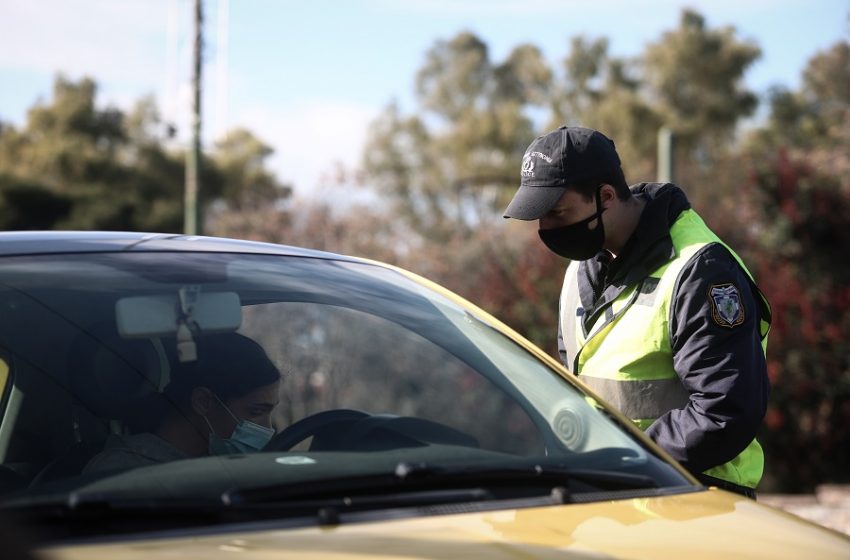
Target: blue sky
x: 308, y: 77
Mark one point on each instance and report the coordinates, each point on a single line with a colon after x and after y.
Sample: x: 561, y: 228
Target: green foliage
x: 695, y: 75
x: 446, y: 167
x: 798, y: 201
x: 585, y: 69
x: 816, y: 116
x: 601, y: 92
x: 455, y: 77
x: 77, y: 166
x: 29, y: 206
x: 451, y: 164
x: 241, y: 158
x: 802, y: 266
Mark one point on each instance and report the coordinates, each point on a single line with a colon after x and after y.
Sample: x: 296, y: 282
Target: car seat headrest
x: 108, y: 374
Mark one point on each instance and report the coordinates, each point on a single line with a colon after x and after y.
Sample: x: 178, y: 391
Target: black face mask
x: 576, y: 241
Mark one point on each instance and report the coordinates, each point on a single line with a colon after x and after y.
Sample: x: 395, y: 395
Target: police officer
x: 657, y: 315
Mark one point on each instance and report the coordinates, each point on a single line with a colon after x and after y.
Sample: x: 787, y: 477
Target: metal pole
x: 191, y: 215
x: 665, y: 155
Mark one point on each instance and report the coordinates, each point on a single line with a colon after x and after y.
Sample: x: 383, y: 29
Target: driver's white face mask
x: 247, y: 437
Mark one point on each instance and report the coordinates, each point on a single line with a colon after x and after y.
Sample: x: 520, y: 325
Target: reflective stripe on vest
x: 642, y: 398
x: 627, y: 356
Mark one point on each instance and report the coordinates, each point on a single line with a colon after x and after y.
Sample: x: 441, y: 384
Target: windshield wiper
x: 607, y: 479
x: 418, y: 487
x: 94, y: 515
x: 412, y: 479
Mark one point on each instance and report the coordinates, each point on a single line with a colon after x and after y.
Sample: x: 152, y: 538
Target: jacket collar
x: 649, y: 247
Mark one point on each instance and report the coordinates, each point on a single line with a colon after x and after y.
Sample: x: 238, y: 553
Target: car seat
x: 111, y: 379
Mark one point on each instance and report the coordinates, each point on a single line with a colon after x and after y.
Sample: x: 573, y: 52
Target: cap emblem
x: 528, y: 162
x: 527, y: 166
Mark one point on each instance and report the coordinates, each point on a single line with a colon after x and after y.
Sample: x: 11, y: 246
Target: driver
x: 221, y: 403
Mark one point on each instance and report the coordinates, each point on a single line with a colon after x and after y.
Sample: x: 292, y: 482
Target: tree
x: 73, y: 156
x: 692, y: 81
x: 695, y: 76
x: 241, y: 159
x: 798, y: 200
x: 445, y: 168
x: 824, y: 79
x: 75, y: 165
x: 603, y: 92
x: 68, y: 139
x: 816, y: 115
x: 25, y: 205
x: 584, y: 72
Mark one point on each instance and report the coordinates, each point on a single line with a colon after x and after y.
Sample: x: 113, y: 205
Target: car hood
x: 711, y: 524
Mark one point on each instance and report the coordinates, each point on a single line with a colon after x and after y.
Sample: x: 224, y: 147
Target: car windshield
x: 225, y: 380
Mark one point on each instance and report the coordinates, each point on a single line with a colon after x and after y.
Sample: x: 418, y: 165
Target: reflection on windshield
x: 159, y: 374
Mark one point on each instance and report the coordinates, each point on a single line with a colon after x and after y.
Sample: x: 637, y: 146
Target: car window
x: 198, y: 376
x: 343, y: 358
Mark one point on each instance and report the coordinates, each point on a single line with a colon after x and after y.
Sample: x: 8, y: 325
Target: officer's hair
x: 615, y: 178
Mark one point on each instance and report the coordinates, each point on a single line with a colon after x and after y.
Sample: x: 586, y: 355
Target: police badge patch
x: 727, y: 310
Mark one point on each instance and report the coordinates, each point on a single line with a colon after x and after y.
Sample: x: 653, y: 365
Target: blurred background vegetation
x: 771, y: 176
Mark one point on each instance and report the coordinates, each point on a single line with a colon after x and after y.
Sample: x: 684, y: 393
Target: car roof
x: 68, y: 242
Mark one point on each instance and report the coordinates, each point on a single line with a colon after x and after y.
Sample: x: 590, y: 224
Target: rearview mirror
x: 149, y: 316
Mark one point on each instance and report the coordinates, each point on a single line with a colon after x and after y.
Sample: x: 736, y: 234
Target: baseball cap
x: 567, y: 156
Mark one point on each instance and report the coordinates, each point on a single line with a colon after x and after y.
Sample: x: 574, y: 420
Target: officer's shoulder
x: 714, y: 264
x: 715, y: 256
x: 714, y: 281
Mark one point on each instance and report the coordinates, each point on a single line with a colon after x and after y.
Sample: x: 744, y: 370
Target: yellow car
x: 183, y: 397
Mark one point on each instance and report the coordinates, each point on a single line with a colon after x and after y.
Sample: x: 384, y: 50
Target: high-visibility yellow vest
x: 627, y: 356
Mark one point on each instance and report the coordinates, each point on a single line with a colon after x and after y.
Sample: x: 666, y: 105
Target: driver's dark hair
x: 614, y: 177
x: 231, y: 365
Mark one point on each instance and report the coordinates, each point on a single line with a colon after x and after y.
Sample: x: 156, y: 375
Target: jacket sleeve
x: 717, y: 354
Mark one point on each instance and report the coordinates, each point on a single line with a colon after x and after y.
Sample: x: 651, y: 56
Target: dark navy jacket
x: 723, y: 369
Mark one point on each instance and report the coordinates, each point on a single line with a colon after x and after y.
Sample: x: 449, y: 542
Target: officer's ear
x: 607, y: 195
